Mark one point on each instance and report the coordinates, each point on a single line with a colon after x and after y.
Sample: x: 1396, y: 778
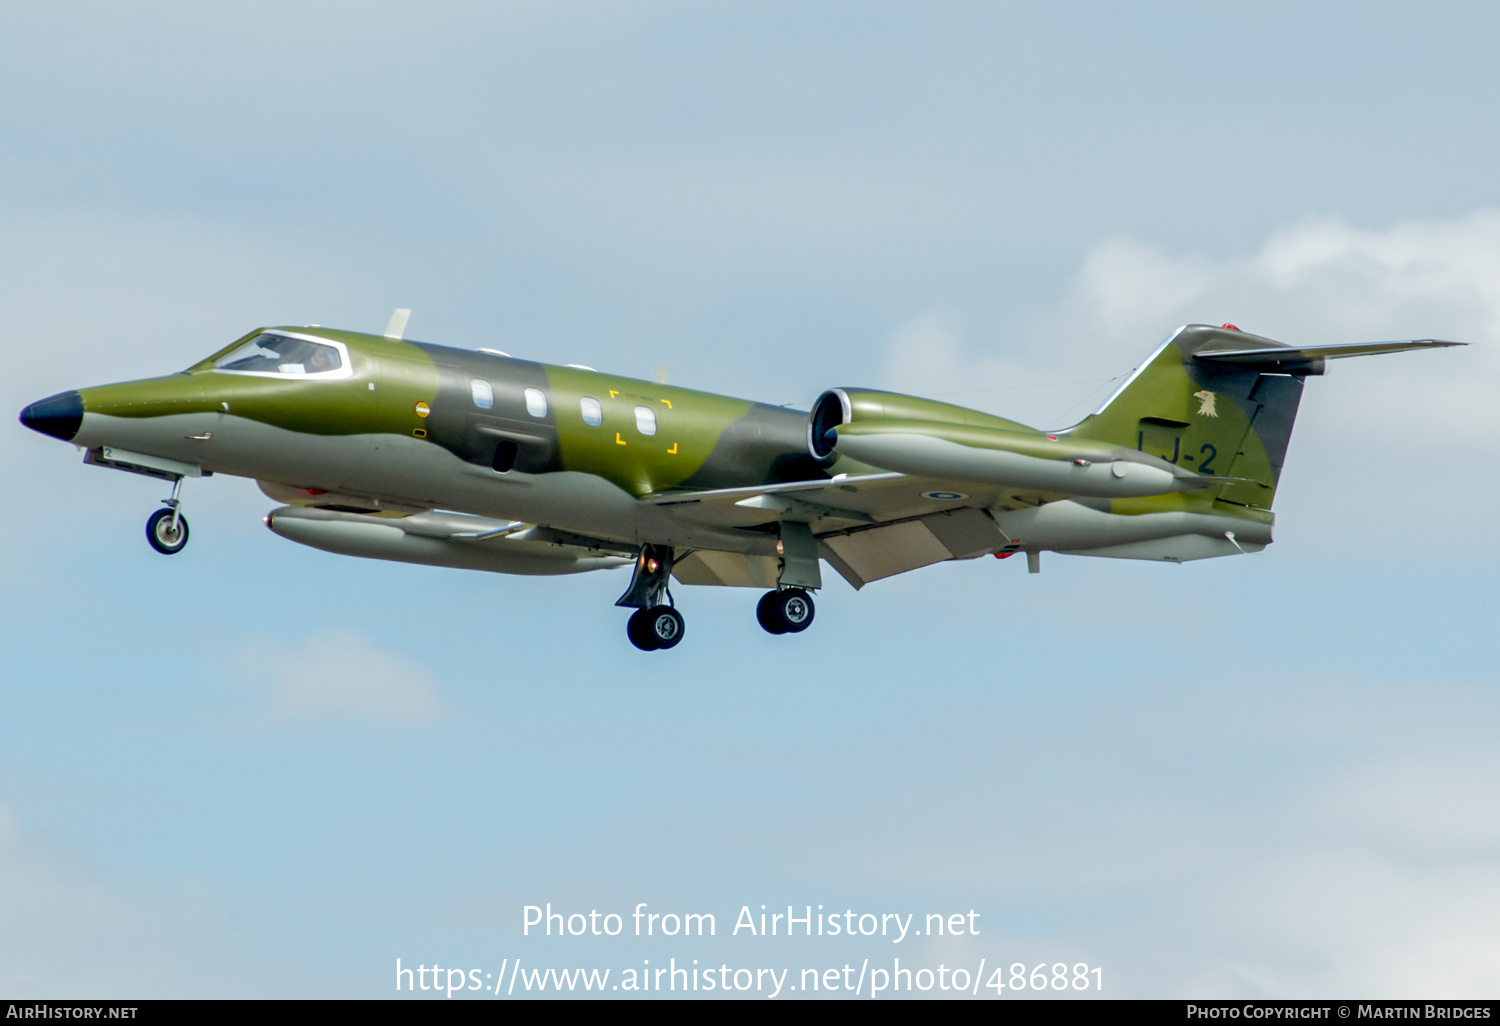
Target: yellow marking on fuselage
x: 672, y: 451
x: 668, y: 402
x: 613, y: 393
x: 618, y: 439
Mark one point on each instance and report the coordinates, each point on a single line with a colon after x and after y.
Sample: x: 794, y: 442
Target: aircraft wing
x: 844, y: 502
x: 868, y: 526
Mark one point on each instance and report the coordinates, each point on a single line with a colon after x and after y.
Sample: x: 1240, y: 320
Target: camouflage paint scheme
x: 397, y: 458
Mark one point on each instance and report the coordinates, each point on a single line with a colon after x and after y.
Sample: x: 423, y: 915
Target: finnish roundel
x: 944, y: 496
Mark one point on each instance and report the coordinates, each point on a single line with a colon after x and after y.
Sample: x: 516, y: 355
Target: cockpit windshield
x: 285, y: 356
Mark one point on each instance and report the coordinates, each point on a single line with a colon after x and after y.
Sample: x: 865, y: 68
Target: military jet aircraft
x: 393, y: 449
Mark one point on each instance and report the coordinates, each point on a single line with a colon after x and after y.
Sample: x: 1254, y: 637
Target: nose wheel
x: 167, y: 531
x: 167, y: 528
x: 789, y: 611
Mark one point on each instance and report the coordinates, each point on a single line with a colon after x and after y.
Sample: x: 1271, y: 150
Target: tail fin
x: 1220, y: 402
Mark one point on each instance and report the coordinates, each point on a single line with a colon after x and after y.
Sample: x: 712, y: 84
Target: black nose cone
x: 58, y: 416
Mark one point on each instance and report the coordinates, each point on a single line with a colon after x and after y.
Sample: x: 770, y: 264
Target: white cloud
x: 1318, y: 281
x: 1249, y: 835
x: 1310, y: 922
x: 1405, y: 427
x: 927, y: 352
x: 1425, y: 801
x: 340, y: 675
x: 1378, y: 874
x: 1127, y: 286
x: 70, y: 932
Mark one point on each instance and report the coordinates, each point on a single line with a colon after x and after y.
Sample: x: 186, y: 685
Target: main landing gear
x: 654, y: 628
x: 654, y: 624
x: 787, y: 611
x: 167, y: 528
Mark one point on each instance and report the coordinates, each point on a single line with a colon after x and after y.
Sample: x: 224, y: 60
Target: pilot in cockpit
x: 321, y: 358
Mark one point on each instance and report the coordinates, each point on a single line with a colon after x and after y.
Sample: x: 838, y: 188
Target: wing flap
x: 726, y: 569
x: 873, y: 553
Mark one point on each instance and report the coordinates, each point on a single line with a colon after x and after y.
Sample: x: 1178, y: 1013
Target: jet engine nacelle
x: 923, y: 438
x: 839, y: 406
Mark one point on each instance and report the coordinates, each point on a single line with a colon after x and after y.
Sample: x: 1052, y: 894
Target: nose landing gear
x: 167, y: 528
x: 788, y: 611
x: 167, y: 531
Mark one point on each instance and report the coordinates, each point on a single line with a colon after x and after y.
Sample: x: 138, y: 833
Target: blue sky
x: 257, y: 769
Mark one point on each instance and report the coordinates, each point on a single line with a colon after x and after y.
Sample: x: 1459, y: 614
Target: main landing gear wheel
x: 785, y: 612
x: 165, y: 534
x: 654, y: 628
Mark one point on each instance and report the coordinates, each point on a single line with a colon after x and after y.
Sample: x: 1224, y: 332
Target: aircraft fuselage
x: 386, y: 448
x: 405, y: 429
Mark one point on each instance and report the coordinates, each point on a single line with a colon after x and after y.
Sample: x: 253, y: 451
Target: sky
x: 259, y: 770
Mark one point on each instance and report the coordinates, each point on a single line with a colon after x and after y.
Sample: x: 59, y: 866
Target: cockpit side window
x: 284, y: 356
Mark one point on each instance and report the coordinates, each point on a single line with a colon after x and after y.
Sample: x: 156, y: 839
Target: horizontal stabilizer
x: 1308, y: 359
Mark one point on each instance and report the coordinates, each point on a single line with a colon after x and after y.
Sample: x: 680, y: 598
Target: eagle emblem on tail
x: 1205, y: 403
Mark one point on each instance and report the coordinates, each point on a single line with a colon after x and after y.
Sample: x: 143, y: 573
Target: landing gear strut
x: 167, y: 528
x: 788, y: 611
x: 655, y: 624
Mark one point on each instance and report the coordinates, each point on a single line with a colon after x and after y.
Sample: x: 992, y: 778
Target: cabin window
x: 284, y: 356
x: 536, y: 402
x: 484, y: 395
x: 593, y: 413
x: 645, y: 420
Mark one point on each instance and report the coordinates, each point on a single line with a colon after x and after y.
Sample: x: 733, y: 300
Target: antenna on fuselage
x: 397, y: 327
x: 661, y: 374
